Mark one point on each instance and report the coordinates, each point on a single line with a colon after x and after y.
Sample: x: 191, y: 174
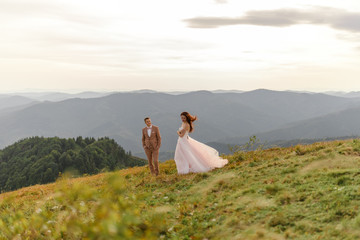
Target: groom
x: 151, y: 141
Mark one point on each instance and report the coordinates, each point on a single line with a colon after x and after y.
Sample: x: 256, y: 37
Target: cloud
x: 221, y: 1
x: 350, y: 22
x: 335, y: 18
x: 44, y: 10
x: 349, y: 36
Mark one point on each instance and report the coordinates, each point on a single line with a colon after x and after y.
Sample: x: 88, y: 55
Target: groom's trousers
x: 153, y: 157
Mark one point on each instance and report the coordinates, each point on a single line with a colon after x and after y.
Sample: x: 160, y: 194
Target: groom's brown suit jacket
x: 154, y: 141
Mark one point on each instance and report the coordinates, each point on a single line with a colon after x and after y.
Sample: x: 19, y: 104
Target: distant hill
x: 332, y: 126
x: 59, y: 96
x: 120, y: 116
x: 286, y: 107
x: 8, y: 102
x: 345, y: 94
x: 222, y: 115
x: 342, y: 123
x: 39, y: 160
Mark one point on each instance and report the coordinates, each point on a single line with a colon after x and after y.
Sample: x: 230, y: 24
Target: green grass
x: 302, y: 192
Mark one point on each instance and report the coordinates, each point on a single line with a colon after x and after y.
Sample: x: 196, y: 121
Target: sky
x: 179, y: 45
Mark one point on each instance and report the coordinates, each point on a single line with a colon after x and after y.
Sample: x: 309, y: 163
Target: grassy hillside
x: 302, y: 192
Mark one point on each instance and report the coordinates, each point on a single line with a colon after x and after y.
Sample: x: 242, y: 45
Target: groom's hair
x: 146, y: 119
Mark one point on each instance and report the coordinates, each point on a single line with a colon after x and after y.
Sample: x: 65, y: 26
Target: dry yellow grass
x: 337, y: 162
x: 208, y: 185
x: 279, y: 193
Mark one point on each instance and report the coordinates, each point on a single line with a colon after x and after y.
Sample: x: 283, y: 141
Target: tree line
x: 40, y: 160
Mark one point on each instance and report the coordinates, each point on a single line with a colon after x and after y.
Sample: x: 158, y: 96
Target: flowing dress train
x: 194, y: 156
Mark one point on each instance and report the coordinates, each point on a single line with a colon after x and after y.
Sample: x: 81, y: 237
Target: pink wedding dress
x: 194, y: 156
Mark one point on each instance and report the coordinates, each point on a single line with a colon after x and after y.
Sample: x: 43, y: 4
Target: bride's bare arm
x: 182, y: 132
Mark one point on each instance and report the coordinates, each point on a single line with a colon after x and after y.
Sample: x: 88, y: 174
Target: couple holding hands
x: 190, y: 155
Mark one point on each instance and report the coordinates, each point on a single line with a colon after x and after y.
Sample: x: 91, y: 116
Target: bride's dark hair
x: 189, y: 119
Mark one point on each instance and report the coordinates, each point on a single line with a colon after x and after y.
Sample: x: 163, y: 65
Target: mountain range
x: 225, y: 117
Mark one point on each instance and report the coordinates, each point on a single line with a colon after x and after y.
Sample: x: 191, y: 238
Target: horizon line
x: 78, y: 91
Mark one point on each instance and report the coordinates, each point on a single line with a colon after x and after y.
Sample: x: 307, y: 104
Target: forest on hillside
x: 39, y: 160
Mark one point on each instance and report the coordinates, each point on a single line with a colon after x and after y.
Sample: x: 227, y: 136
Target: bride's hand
x: 181, y: 133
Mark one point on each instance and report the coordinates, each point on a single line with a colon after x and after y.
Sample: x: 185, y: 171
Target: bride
x: 191, y: 155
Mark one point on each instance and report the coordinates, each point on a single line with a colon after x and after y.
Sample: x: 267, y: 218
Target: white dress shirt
x: 149, y: 130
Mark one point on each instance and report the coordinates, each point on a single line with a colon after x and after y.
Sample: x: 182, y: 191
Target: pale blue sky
x: 113, y: 45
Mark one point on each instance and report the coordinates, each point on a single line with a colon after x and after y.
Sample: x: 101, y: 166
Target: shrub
x: 78, y: 211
